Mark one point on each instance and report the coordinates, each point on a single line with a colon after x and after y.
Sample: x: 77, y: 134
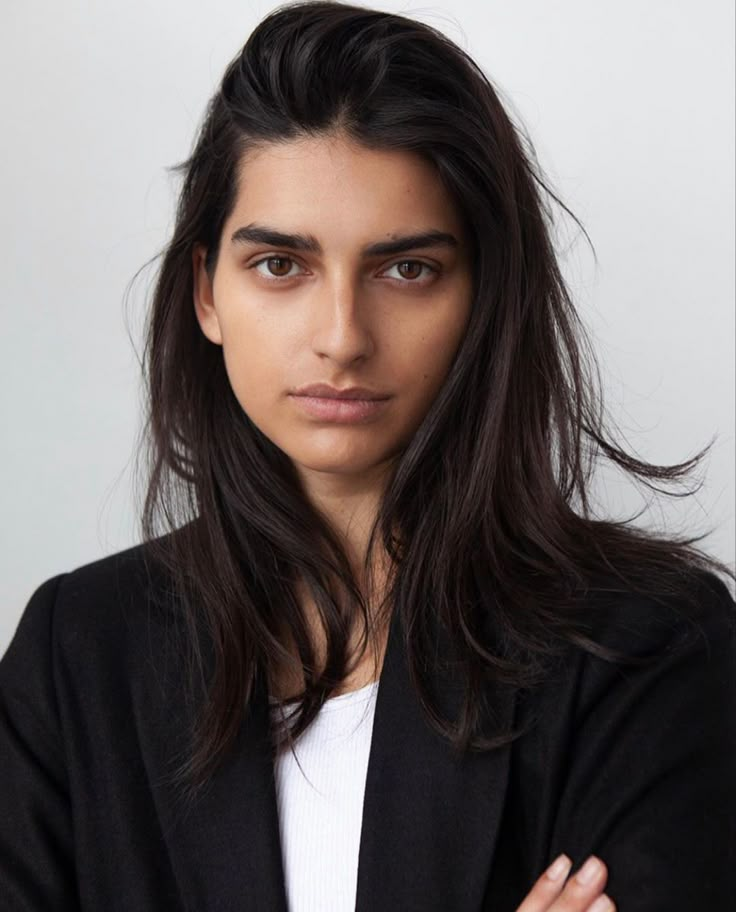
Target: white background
x: 630, y: 107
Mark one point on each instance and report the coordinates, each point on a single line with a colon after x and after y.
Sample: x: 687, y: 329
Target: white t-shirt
x: 321, y: 808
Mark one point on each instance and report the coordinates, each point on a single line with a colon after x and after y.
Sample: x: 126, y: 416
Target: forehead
x: 333, y: 185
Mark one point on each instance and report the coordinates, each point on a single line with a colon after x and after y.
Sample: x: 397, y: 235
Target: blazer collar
x: 430, y: 818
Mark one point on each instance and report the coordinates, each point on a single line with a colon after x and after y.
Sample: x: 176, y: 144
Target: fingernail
x: 589, y: 871
x: 559, y: 867
x: 602, y: 904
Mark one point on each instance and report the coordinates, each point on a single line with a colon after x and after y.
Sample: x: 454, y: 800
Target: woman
x: 375, y: 651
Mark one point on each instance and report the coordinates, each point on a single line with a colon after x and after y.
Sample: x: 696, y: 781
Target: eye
x: 280, y: 260
x: 277, y: 273
x: 415, y: 267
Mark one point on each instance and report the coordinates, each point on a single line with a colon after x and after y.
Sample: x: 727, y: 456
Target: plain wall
x: 630, y: 107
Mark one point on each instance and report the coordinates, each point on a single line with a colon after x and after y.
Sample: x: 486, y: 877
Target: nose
x: 341, y: 320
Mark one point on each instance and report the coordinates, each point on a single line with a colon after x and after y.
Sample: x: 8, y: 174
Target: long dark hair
x: 492, y: 494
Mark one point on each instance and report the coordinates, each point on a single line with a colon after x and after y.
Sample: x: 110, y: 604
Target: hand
x: 551, y: 893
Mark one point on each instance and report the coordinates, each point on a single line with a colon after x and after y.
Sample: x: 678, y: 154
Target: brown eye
x: 410, y: 272
x: 414, y: 270
x: 280, y: 261
x: 278, y: 267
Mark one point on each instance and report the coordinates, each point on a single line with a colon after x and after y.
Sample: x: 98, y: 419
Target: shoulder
x: 658, y: 650
x: 107, y: 595
x: 641, y: 653
x: 101, y: 613
x: 697, y: 612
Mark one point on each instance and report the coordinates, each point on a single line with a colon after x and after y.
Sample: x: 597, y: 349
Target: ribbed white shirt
x: 321, y: 808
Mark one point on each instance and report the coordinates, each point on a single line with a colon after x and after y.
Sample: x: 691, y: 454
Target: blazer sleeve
x: 37, y: 869
x: 650, y: 786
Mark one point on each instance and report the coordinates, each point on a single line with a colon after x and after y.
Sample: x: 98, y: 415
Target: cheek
x: 431, y: 349
x: 252, y: 356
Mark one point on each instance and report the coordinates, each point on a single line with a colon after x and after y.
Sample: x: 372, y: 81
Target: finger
x: 584, y: 889
x: 547, y: 887
x: 550, y: 893
x: 602, y: 904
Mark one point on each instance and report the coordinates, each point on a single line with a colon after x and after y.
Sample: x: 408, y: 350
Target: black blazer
x: 635, y: 765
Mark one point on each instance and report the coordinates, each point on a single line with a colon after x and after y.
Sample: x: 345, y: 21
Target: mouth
x: 340, y: 410
x: 325, y: 391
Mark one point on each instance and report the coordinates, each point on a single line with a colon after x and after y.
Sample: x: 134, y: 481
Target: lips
x: 325, y: 391
x: 341, y: 411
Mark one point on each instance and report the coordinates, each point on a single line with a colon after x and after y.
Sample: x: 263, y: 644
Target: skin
x: 576, y: 894
x: 337, y: 317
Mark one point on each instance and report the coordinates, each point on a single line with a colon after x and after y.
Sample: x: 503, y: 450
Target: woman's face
x: 320, y: 308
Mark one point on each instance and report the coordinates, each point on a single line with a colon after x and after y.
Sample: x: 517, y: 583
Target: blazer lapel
x: 430, y: 819
x: 225, y: 847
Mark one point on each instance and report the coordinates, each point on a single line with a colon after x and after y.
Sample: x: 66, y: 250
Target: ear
x: 204, y: 301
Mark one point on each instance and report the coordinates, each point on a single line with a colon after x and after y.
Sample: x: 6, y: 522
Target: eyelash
x: 277, y: 279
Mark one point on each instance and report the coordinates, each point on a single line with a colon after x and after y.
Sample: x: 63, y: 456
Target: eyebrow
x: 262, y: 234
